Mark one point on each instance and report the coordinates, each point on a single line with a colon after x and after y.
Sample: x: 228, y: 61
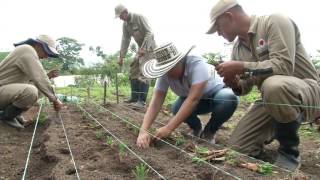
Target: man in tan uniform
x: 269, y: 54
x: 20, y: 68
x: 136, y: 26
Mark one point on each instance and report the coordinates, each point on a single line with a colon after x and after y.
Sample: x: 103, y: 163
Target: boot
x: 9, y: 114
x: 143, y: 89
x: 288, y: 137
x: 134, y: 89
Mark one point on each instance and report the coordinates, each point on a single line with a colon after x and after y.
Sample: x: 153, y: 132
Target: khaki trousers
x: 284, y: 97
x: 20, y: 95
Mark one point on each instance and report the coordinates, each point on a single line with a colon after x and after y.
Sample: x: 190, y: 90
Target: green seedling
x: 198, y: 160
x: 180, y: 140
x: 99, y: 134
x: 42, y: 118
x: 135, y: 130
x: 266, y: 169
x: 202, y: 150
x: 109, y: 141
x: 232, y: 158
x: 93, y: 125
x: 141, y: 172
x: 122, y: 150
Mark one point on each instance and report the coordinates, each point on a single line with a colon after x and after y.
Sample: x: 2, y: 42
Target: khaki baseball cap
x: 119, y: 9
x: 221, y: 7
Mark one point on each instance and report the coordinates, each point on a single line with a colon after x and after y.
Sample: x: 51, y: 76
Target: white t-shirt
x: 196, y: 71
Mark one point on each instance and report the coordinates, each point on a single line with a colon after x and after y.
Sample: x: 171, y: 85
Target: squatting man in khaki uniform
x: 269, y: 54
x: 199, y: 91
x: 17, y: 71
x: 136, y: 26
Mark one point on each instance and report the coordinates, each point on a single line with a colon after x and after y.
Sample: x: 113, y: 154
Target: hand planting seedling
x: 141, y: 172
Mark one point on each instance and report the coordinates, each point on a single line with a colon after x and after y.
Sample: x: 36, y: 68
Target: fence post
x: 117, y: 90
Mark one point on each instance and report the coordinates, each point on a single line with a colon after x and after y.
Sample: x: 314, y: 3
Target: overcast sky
x: 184, y: 22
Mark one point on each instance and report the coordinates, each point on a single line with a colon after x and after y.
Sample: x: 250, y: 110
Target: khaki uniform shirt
x: 22, y: 65
x: 274, y: 43
x: 138, y: 28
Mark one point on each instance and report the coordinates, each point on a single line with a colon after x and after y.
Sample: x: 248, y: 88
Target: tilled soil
x: 96, y: 159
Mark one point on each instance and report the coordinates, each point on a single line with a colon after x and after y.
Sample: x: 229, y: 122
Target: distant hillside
x: 3, y: 55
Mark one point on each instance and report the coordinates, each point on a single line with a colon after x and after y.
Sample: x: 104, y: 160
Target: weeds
x: 141, y: 172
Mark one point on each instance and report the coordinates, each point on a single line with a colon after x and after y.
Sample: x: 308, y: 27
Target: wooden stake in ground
x: 105, y: 93
x: 117, y: 90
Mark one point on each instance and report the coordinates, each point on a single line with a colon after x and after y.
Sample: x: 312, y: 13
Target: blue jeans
x: 221, y: 104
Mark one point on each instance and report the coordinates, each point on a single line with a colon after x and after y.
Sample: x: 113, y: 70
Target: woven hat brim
x: 151, y: 69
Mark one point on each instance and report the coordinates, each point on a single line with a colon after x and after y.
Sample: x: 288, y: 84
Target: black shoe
x: 208, y: 136
x: 288, y: 137
x: 9, y: 114
x: 288, y: 161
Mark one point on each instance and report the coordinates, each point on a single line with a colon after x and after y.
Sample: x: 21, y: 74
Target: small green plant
x: 135, y: 131
x: 109, y: 141
x: 93, y: 125
x: 180, y: 140
x: 265, y: 169
x: 42, y: 118
x: 122, y: 150
x: 99, y: 134
x: 202, y: 150
x: 141, y: 172
x: 198, y: 160
x: 232, y: 158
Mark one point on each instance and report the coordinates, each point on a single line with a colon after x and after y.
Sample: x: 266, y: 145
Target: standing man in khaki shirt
x: 20, y: 68
x: 268, y: 53
x: 136, y: 26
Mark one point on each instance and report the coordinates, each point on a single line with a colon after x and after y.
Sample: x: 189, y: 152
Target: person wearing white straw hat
x: 199, y: 91
x: 267, y: 53
x: 20, y: 68
x: 136, y: 26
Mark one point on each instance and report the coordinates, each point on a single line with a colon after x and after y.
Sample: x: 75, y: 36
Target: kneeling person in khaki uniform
x: 17, y: 70
x: 269, y: 54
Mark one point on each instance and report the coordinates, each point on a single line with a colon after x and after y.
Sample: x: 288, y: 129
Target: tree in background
x: 316, y: 60
x: 69, y: 50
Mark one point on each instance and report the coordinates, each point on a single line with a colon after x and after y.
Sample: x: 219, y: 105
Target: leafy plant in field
x: 265, y: 169
x: 93, y: 125
x: 99, y: 134
x: 198, y: 160
x: 42, y: 118
x: 232, y: 158
x: 122, y: 150
x: 109, y: 141
x: 202, y: 150
x: 141, y: 172
x: 180, y: 140
x: 135, y: 131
